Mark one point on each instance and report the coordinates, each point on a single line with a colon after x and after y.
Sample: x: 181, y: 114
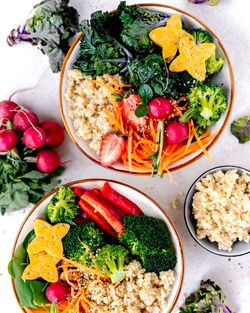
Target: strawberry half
x: 112, y: 147
x: 128, y: 106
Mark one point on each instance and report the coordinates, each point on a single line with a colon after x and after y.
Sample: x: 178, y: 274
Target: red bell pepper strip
x: 96, y: 217
x: 114, y: 211
x: 105, y: 209
x: 121, y: 202
x: 78, y: 191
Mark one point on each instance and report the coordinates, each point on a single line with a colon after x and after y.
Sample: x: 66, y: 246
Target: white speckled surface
x: 21, y: 66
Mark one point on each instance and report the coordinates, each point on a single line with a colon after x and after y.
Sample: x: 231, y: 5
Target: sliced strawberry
x: 112, y: 147
x: 128, y: 106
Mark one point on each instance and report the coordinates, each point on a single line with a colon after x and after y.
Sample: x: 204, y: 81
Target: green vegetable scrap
x: 111, y: 260
x: 21, y: 183
x: 136, y: 23
x: 240, y: 128
x: 63, y: 207
x: 209, y: 298
x: 207, y: 102
x: 50, y: 26
x: 31, y: 293
x: 147, y: 238
x: 201, y: 36
x: 80, y: 240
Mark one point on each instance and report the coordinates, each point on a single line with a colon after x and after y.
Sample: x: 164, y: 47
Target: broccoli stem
x: 187, y: 115
x: 207, y: 107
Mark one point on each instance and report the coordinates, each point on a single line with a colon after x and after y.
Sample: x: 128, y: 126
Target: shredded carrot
x: 130, y: 141
x: 200, y: 141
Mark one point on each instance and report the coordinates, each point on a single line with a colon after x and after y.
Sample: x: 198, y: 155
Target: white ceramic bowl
x: 148, y: 206
x: 239, y: 247
x: 225, y: 77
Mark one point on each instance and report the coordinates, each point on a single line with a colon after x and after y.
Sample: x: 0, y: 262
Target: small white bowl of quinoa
x: 217, y: 210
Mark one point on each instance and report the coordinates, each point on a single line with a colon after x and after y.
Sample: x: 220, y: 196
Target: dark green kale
x: 148, y: 238
x: 209, y: 298
x: 50, y: 26
x: 99, y: 52
x: 136, y: 22
x: 240, y: 128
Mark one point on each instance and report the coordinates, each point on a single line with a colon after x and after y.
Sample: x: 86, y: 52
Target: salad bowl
x: 148, y: 206
x: 224, y: 77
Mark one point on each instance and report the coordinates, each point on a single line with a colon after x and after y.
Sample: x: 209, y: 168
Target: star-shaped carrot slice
x: 42, y: 265
x: 192, y: 57
x: 48, y: 238
x: 168, y: 37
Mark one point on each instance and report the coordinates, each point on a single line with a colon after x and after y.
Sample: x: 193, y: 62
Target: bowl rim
x: 187, y: 209
x: 92, y: 180
x: 188, y: 162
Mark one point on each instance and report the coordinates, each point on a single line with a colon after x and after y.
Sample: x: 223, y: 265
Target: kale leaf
x: 240, y: 128
x: 136, y: 23
x: 209, y: 298
x: 100, y: 53
x: 50, y: 26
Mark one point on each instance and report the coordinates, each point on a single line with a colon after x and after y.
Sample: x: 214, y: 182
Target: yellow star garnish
x: 41, y: 265
x: 168, y: 37
x: 192, y: 57
x: 48, y: 238
x: 45, y: 251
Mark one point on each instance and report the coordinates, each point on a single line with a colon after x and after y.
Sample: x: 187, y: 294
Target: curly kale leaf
x: 50, y: 26
x: 209, y: 298
x: 99, y: 52
x: 136, y: 23
x: 240, y: 128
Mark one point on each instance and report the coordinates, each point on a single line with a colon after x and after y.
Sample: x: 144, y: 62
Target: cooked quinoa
x: 221, y: 207
x: 140, y: 292
x: 88, y: 104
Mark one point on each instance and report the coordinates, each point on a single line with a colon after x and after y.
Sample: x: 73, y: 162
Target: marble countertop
x: 24, y: 66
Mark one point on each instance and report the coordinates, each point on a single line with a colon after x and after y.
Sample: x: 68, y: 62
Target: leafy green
x: 156, y: 157
x: 62, y: 206
x: 30, y: 293
x: 148, y: 70
x: 136, y: 23
x: 50, y: 26
x: 240, y: 128
x: 141, y: 110
x: 207, y: 102
x: 146, y: 93
x: 209, y: 298
x: 99, y: 52
x: 21, y: 183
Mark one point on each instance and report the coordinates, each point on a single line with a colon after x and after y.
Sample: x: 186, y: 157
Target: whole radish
x: 34, y: 137
x: 176, y: 132
x: 8, y: 140
x: 24, y: 119
x: 160, y: 108
x: 57, y: 292
x: 54, y: 133
x: 8, y: 109
x: 47, y: 161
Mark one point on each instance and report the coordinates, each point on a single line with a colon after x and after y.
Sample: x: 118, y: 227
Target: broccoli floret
x: 147, y: 238
x: 207, y: 102
x: 201, y: 36
x: 81, y: 239
x: 213, y: 65
x: 110, y: 260
x: 62, y: 207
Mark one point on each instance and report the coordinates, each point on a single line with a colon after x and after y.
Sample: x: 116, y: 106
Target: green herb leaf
x: 240, y: 128
x: 34, y: 175
x: 146, y: 93
x: 141, y: 110
x: 18, y: 263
